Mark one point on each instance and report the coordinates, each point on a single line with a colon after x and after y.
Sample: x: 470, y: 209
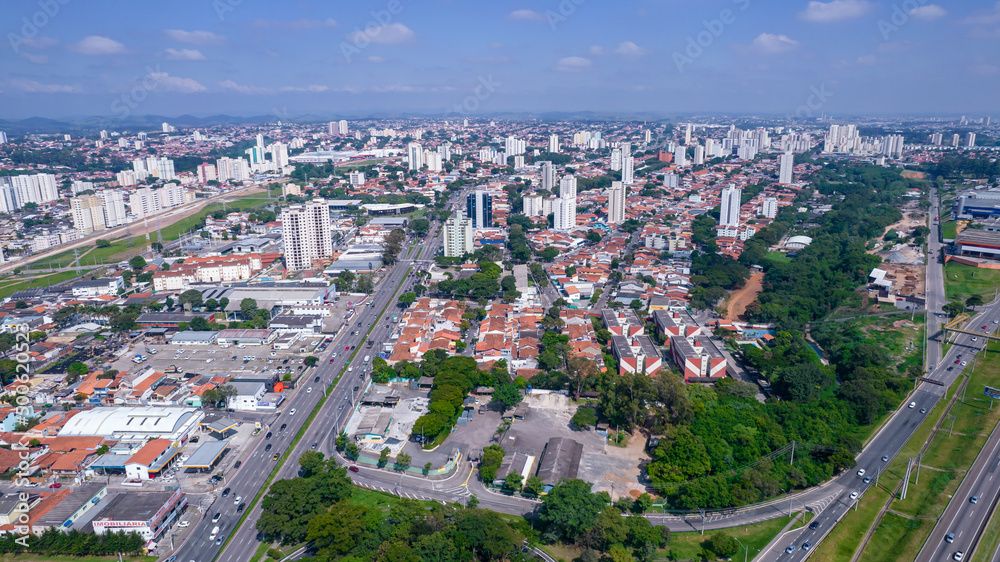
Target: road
x: 249, y: 478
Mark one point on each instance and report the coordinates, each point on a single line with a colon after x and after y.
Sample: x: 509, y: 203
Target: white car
x: 854, y: 495
x: 183, y: 524
x: 861, y: 472
x: 292, y: 413
x: 237, y: 500
x: 912, y: 405
x: 308, y: 390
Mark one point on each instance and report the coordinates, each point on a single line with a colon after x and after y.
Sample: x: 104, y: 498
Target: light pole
x: 746, y: 551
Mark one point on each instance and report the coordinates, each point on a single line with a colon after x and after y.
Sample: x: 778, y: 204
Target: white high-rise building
x: 126, y: 178
x: 433, y: 161
x: 616, y: 159
x: 514, y: 146
x: 954, y: 140
x: 936, y: 139
x: 458, y: 236
x: 648, y: 137
x: 88, y: 214
x: 113, y: 203
x: 548, y: 172
x: 567, y: 187
x: 8, y: 199
x: 687, y: 134
x: 77, y: 186
x: 3, y: 137
x: 144, y: 202
x: 232, y: 169
x: 628, y: 169
x: 37, y: 188
x: 305, y: 231
x: 680, y: 156
x: 671, y: 180
x: 357, y: 178
x: 564, y: 214
x: 445, y: 151
x: 207, y: 173
x: 279, y: 155
x: 770, y: 207
x: 414, y: 156
x: 699, y: 155
x: 786, y: 162
x: 342, y: 126
x: 166, y: 127
x: 532, y: 204
x: 732, y: 200
x: 616, y: 203
x: 970, y: 139
x: 553, y: 143
x: 331, y: 128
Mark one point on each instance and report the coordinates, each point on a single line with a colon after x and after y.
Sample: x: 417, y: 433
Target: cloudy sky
x: 63, y: 58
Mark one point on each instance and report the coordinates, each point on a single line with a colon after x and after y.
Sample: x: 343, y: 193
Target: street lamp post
x: 746, y: 551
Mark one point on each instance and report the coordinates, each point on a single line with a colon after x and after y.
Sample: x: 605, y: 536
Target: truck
x: 172, y: 369
x: 367, y: 358
x: 138, y: 359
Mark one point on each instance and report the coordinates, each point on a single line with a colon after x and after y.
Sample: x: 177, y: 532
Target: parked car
x: 352, y: 468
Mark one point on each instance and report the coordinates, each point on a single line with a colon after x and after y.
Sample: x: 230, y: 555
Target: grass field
x: 779, y: 257
x: 843, y: 540
x: 949, y: 230
x: 63, y: 259
x: 899, y: 539
x: 962, y: 281
x: 45, y: 281
x: 989, y: 541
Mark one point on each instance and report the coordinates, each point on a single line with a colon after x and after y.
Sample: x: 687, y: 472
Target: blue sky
x: 66, y: 58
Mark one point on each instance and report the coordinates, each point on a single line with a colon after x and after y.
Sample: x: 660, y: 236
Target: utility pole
x: 702, y: 520
x: 917, y: 479
x: 792, y: 459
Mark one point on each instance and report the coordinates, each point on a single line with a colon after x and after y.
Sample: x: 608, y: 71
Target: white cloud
x: 526, y: 15
x: 598, y: 50
x: 40, y: 42
x: 769, y: 44
x: 243, y: 89
x: 97, y: 45
x: 36, y: 59
x: 985, y: 18
x: 32, y: 87
x: 630, y: 49
x: 183, y: 54
x: 388, y: 34
x: 489, y: 60
x: 312, y: 88
x: 376, y: 59
x: 199, y: 37
x: 572, y: 64
x: 176, y: 84
x: 294, y: 24
x: 928, y: 12
x: 835, y: 10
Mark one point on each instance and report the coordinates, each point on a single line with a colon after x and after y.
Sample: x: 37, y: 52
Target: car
x: 240, y: 508
x: 347, y: 348
x: 341, y: 407
x: 957, y: 361
x: 283, y: 426
x: 237, y: 465
x: 958, y: 555
x: 813, y: 525
x: 268, y: 436
x: 912, y: 405
x: 237, y: 500
x: 314, y: 445
x: 331, y: 360
x: 867, y: 479
x: 984, y: 326
x: 923, y: 410
x: 996, y: 321
x: 806, y: 545
x: 184, y: 524
x: 347, y: 397
x: 217, y: 517
x: 352, y: 468
x: 316, y: 379
x: 885, y: 458
x: 949, y: 369
x: 974, y: 338
x: 964, y: 363
x: 354, y: 347
x: 790, y: 549
x: 268, y: 448
x: 225, y: 492
x: 276, y: 456
x: 974, y: 499
x: 950, y: 537
x: 218, y: 541
x: 356, y: 387
x: 854, y: 495
x: 292, y: 413
x: 308, y: 390
x: 861, y: 472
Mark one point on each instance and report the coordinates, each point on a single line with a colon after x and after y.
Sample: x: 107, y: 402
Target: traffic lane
x: 962, y: 517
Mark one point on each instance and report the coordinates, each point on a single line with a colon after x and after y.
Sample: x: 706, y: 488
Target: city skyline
x: 802, y: 59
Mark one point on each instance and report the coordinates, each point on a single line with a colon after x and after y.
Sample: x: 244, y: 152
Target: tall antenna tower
x: 76, y: 259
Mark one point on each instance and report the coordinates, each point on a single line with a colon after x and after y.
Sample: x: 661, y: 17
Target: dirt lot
x: 739, y: 300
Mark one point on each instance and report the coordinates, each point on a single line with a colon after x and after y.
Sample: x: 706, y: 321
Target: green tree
x: 722, y: 545
x: 383, y: 457
x: 192, y: 297
x: 974, y: 301
x: 489, y: 462
x: 311, y: 361
x: 570, y: 508
x: 248, y: 308
x: 407, y: 298
x: 137, y: 263
x: 512, y: 482
x: 507, y: 394
x: 200, y: 324
x: 954, y: 308
x: 584, y: 417
x: 534, y: 486
x: 75, y: 371
x: 403, y: 461
x: 102, y: 244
